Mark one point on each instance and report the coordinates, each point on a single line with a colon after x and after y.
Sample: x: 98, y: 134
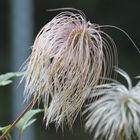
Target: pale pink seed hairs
x: 69, y: 56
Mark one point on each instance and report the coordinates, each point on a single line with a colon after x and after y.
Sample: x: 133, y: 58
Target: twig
x: 122, y: 133
x: 32, y: 103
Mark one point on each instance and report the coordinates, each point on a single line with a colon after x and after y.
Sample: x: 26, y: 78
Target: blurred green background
x: 121, y: 13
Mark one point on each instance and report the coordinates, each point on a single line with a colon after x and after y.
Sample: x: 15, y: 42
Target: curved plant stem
x: 32, y: 103
x: 121, y: 136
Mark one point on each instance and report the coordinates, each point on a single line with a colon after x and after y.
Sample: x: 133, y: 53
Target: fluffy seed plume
x: 68, y: 57
x: 116, y: 114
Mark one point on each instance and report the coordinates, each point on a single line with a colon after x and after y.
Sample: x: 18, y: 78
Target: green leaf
x: 30, y: 122
x: 4, y: 129
x: 27, y: 120
x: 5, y: 78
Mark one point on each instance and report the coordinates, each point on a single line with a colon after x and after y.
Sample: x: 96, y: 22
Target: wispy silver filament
x: 116, y: 114
x: 68, y: 58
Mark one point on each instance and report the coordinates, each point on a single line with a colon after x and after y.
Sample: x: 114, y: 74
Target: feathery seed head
x: 68, y: 57
x: 116, y: 114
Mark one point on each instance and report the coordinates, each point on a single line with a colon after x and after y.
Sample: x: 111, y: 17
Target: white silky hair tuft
x: 116, y: 113
x: 68, y: 58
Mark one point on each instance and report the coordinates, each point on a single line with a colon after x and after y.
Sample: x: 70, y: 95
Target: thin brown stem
x: 122, y: 133
x: 32, y: 103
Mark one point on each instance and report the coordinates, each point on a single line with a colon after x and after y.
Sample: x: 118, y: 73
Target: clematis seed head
x: 69, y: 55
x: 116, y: 114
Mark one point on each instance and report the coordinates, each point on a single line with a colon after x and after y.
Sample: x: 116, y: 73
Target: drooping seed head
x: 116, y: 114
x: 68, y: 58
